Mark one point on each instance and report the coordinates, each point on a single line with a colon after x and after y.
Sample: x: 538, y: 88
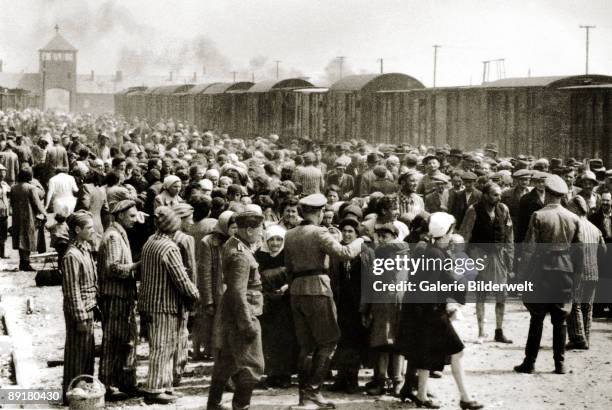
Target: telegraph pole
x: 485, y: 66
x: 341, y: 59
x: 277, y: 63
x: 587, y: 28
x: 252, y: 76
x: 435, y: 67
x: 381, y: 64
x: 234, y: 75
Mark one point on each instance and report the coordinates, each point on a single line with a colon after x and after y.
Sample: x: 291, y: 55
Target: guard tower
x: 58, y: 78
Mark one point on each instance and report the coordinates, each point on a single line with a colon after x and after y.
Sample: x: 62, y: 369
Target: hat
x: 541, y: 163
x: 167, y: 220
x: 469, y: 176
x: 388, y: 227
x: 588, y: 175
x: 380, y: 171
x: 248, y: 219
x: 556, y: 163
x: 341, y: 162
x: 556, y: 185
x: 122, y: 205
x: 351, y: 212
x: 313, y: 201
x: 372, y: 158
x: 349, y: 221
x: 538, y: 175
x: 440, y: 223
x: 580, y: 203
x: 491, y: 147
x: 206, y: 184
x: 596, y: 165
x: 426, y: 158
x: 521, y: 164
x: 455, y: 152
x: 495, y: 176
x: 522, y: 173
x: 440, y: 178
x: 183, y: 210
x: 505, y: 165
x: 573, y: 162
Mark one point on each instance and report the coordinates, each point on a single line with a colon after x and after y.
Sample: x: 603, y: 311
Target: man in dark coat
x: 602, y: 219
x: 241, y: 355
x: 529, y: 203
x: 460, y: 201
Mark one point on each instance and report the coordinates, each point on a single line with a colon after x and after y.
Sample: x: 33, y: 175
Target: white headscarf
x: 169, y: 181
x: 440, y: 223
x: 274, y: 231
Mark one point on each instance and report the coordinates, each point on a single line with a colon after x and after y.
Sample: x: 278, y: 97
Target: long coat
x: 26, y: 205
x: 93, y: 199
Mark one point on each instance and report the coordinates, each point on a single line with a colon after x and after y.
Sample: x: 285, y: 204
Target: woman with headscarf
x: 169, y: 195
x: 210, y: 281
x: 278, y: 337
x: 427, y: 337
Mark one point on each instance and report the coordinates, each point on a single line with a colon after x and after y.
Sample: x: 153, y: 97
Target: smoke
x: 332, y: 70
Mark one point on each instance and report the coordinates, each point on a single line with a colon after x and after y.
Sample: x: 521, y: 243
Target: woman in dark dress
x: 346, y: 284
x: 427, y: 336
x: 278, y: 337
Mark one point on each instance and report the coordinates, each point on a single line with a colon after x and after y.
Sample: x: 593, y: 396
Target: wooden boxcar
x: 122, y: 102
x: 310, y: 107
x: 18, y: 99
x: 187, y: 103
x: 271, y: 108
x: 166, y: 102
x: 216, y: 106
x: 351, y: 103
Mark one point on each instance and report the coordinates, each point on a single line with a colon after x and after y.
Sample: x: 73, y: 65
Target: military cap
x: 538, y: 175
x: 522, y: 173
x: 556, y: 184
x: 248, y: 219
x: 313, y: 201
x: 122, y: 205
x: 469, y: 176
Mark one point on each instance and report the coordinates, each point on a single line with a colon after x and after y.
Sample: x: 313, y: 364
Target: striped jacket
x: 593, y: 244
x: 311, y: 178
x: 115, y: 264
x: 79, y: 282
x: 186, y: 244
x: 164, y: 283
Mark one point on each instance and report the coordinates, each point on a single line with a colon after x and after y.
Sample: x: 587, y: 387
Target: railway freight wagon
x: 18, y: 99
x: 215, y: 107
x: 351, y: 105
x: 187, y: 103
x: 122, y: 102
x: 531, y: 115
x: 166, y: 102
x: 270, y: 108
x: 310, y: 119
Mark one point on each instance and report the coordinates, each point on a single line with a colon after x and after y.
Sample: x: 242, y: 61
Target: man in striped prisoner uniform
x: 166, y: 291
x: 241, y: 354
x: 79, y: 285
x: 186, y: 244
x: 118, y: 304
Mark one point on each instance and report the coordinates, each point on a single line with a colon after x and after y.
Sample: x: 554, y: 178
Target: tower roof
x: 58, y: 43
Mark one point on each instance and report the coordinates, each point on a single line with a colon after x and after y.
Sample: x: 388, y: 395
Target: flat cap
x: 380, y: 171
x: 455, y: 152
x: 388, y: 227
x: 505, y: 165
x: 556, y: 184
x: 588, y: 175
x: 428, y: 157
x: 522, y: 173
x: 351, y: 211
x: 248, y: 219
x: 469, y: 176
x: 441, y: 178
x: 491, y: 147
x: 122, y: 205
x: 313, y: 201
x: 495, y: 176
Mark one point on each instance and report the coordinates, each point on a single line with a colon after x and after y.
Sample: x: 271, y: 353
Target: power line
x: 588, y: 29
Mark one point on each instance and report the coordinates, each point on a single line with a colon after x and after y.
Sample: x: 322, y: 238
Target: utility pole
x: 381, y: 64
x: 234, y: 75
x: 252, y: 76
x: 341, y: 59
x: 485, y: 71
x: 435, y: 67
x: 277, y: 63
x: 587, y: 28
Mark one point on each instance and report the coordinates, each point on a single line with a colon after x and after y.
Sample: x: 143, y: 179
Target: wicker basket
x: 77, y: 402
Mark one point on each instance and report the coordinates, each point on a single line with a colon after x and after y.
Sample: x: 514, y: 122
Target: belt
x: 310, y: 272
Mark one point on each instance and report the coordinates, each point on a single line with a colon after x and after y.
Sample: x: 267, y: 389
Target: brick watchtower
x: 57, y: 66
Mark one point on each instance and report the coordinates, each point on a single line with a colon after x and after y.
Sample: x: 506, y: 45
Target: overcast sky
x: 221, y: 36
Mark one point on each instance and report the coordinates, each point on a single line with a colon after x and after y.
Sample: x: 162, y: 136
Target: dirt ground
x: 489, y: 373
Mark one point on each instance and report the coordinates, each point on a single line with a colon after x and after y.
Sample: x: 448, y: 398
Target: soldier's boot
x: 242, y: 396
x: 312, y: 392
x: 303, y: 375
x: 215, y: 395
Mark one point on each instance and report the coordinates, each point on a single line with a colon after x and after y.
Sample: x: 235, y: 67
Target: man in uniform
x: 549, y: 263
x: 241, y: 355
x: 118, y: 302
x: 312, y: 303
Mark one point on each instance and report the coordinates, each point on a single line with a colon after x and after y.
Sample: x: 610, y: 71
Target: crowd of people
x: 251, y: 252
